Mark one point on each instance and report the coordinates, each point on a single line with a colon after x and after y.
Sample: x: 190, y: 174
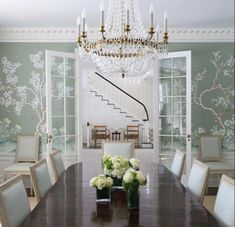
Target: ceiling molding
x: 69, y: 34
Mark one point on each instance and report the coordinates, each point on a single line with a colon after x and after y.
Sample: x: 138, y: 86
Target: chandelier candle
x: 102, y: 12
x: 78, y: 27
x: 83, y: 21
x: 151, y: 15
x: 165, y: 21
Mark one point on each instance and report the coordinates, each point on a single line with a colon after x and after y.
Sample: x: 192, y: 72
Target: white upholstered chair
x: 125, y: 149
x: 224, y: 203
x: 40, y: 178
x: 178, y: 164
x: 198, y: 179
x: 210, y: 153
x: 14, y: 203
x: 56, y: 164
x: 27, y: 153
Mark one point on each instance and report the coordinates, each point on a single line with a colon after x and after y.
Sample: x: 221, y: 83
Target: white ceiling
x: 63, y: 13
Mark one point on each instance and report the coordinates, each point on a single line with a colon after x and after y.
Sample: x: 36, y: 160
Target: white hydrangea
x: 101, y: 181
x: 128, y: 177
x: 141, y: 178
x: 135, y: 163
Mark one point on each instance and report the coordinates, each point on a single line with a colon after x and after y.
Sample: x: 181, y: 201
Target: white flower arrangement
x: 134, y: 163
x: 101, y: 181
x: 132, y: 179
x: 115, y: 166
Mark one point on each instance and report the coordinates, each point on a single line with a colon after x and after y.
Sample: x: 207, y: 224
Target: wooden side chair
x: 198, y: 179
x: 125, y: 149
x: 132, y: 132
x: 224, y: 203
x: 178, y: 164
x: 101, y: 132
x: 40, y: 178
x: 14, y: 203
x: 56, y: 164
x: 210, y: 153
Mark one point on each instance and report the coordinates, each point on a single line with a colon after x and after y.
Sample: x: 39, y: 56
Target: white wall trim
x: 68, y: 34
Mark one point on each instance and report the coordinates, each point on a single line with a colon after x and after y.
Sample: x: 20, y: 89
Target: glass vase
x: 133, y: 197
x: 103, y: 195
x: 117, y: 183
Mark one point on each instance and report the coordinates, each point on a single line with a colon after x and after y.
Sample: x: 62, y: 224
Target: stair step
x: 123, y: 112
x: 117, y: 108
x: 111, y: 104
x: 129, y: 116
x: 105, y: 100
x: 135, y: 120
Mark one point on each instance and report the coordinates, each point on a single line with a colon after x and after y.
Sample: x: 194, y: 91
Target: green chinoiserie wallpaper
x: 22, y: 89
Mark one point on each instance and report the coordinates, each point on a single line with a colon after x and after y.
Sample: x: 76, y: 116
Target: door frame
x: 78, y: 101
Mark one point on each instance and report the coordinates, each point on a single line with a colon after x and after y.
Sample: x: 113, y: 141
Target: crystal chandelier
x: 123, y: 45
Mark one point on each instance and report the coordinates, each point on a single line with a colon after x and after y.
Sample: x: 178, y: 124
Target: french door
x: 62, y: 102
x: 173, y: 107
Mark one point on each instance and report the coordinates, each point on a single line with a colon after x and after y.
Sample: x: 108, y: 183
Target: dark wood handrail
x: 145, y: 109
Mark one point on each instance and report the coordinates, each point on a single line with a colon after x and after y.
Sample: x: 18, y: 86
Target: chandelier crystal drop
x: 123, y: 46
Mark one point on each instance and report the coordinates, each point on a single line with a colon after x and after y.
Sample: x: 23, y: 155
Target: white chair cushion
x: 224, y: 204
x: 43, y: 179
x: 218, y: 166
x: 121, y: 149
x: 16, y: 204
x: 59, y: 165
x: 19, y: 167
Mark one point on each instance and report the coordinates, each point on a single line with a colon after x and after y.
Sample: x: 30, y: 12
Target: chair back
x: 178, y: 164
x: 133, y: 130
x: 56, y: 164
x: 40, y: 179
x: 27, y: 149
x: 125, y: 149
x: 198, y: 179
x: 224, y: 203
x: 100, y: 129
x: 210, y: 148
x: 14, y: 203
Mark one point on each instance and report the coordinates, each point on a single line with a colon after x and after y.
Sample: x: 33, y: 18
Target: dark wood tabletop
x: 164, y: 202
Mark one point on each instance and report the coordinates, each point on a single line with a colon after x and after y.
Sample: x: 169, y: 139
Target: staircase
x: 119, y: 109
x: 126, y: 105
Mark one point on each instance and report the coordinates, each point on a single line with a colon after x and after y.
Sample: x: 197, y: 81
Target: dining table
x: 164, y: 202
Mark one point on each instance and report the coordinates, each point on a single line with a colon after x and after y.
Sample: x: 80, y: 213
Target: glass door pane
x: 174, y: 106
x: 61, y: 102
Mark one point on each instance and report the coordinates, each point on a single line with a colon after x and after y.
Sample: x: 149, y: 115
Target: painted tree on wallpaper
x: 218, y: 98
x: 15, y: 96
